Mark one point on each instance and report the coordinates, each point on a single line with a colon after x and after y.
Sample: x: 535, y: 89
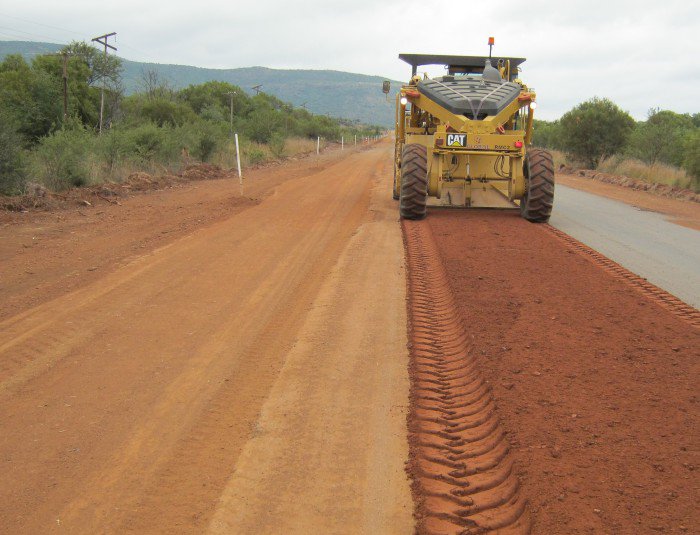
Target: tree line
x: 42, y: 142
x: 598, y: 129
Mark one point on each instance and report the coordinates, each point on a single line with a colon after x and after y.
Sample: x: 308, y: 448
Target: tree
x: 595, y: 129
x: 139, y: 109
x: 155, y: 86
x: 31, y: 98
x: 546, y: 134
x: 83, y: 100
x: 660, y: 137
x: 217, y: 94
x: 263, y: 123
x: 692, y: 158
x: 99, y: 67
x: 11, y: 175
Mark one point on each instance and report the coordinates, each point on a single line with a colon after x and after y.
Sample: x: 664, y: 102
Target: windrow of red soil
x: 595, y: 382
x: 463, y: 476
x: 653, y: 292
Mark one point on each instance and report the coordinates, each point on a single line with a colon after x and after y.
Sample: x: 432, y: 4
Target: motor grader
x: 464, y: 139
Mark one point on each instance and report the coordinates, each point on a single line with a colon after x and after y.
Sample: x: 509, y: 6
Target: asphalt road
x: 644, y: 242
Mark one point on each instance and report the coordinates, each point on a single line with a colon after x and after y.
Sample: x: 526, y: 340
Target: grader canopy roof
x: 457, y: 64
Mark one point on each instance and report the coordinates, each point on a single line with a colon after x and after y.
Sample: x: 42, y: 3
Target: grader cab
x: 463, y: 139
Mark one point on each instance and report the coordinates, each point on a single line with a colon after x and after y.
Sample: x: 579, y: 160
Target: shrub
x: 60, y: 159
x: 113, y: 148
x: 262, y: 124
x: 276, y: 144
x: 255, y: 155
x: 11, y: 171
x: 207, y: 140
x: 148, y: 143
x: 165, y: 112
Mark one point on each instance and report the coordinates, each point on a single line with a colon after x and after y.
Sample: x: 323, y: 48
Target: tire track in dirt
x: 463, y: 478
x: 653, y: 292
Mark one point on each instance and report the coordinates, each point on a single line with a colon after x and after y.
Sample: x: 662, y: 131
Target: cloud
x: 639, y: 54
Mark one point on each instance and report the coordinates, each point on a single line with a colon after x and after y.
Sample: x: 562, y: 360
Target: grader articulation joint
x: 464, y: 139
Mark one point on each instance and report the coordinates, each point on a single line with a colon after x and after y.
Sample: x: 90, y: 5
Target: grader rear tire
x: 414, y: 182
x: 536, y: 205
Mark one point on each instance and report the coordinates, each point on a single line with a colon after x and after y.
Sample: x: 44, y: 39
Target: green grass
x: 658, y: 173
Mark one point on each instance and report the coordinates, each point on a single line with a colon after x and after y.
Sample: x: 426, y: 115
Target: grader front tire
x: 536, y: 205
x: 414, y: 182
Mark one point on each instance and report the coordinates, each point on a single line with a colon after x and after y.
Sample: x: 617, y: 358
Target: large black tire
x: 536, y: 205
x: 414, y: 182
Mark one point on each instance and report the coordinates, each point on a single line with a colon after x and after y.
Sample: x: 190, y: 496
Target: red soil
x: 595, y: 383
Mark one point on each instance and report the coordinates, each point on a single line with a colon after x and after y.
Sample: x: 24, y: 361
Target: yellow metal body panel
x: 467, y: 158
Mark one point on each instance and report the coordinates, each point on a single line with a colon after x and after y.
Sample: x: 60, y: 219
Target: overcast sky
x: 640, y: 54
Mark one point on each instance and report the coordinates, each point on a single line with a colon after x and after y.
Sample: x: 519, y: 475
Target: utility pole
x: 230, y: 100
x: 257, y: 89
x: 102, y: 39
x: 65, y: 83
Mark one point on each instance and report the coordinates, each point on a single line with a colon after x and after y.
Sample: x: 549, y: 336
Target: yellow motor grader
x: 463, y: 139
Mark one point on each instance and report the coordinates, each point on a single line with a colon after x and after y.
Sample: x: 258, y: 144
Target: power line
x: 32, y: 35
x: 40, y: 24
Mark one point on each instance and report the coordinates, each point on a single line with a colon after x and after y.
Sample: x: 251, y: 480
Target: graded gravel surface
x: 643, y: 241
x: 596, y: 384
x: 152, y: 354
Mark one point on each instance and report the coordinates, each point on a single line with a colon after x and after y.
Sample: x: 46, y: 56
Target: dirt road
x: 245, y: 367
x: 196, y: 360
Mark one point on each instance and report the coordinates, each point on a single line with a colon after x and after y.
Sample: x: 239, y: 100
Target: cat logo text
x: 456, y: 140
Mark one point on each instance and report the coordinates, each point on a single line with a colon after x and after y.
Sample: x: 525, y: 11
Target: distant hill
x: 340, y: 94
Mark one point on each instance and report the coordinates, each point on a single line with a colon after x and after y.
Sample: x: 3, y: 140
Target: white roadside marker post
x: 342, y: 142
x: 238, y: 161
x: 318, y: 145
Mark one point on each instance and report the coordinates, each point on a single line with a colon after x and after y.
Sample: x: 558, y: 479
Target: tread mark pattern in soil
x: 653, y: 292
x: 462, y: 472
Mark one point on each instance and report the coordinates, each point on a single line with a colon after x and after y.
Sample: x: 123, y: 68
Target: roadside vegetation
x: 597, y: 134
x: 156, y: 130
